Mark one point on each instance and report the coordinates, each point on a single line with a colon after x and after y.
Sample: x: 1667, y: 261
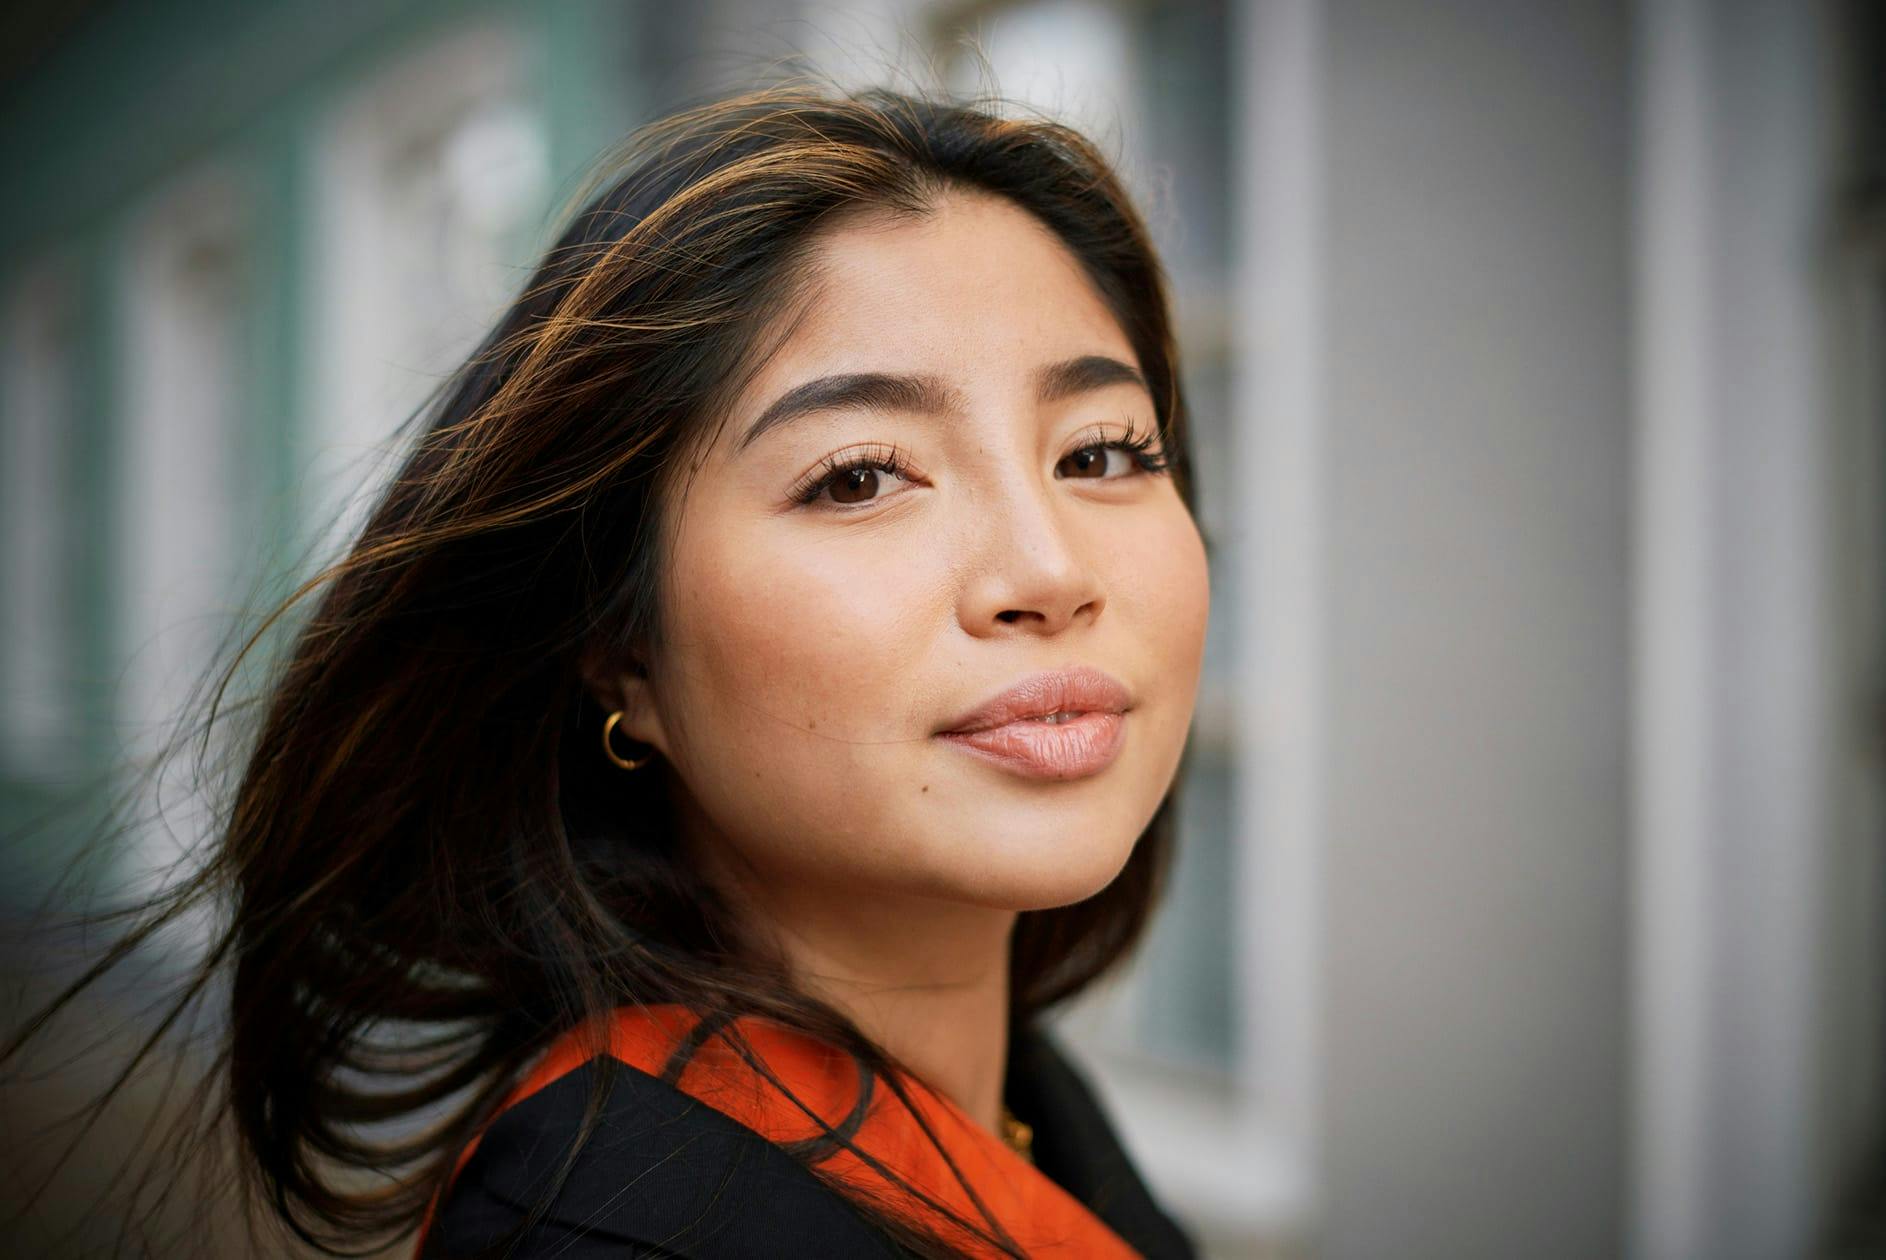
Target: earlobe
x: 629, y: 692
x: 641, y: 716
x: 609, y: 746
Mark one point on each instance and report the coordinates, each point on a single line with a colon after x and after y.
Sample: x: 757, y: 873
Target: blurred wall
x: 1476, y: 497
x: 1565, y: 359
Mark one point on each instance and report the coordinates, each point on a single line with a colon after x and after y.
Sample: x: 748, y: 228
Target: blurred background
x: 1531, y: 890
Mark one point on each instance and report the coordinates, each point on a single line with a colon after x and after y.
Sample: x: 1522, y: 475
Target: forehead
x: 917, y: 281
x: 976, y: 291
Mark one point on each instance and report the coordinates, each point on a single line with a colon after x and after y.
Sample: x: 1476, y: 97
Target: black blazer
x: 665, y: 1175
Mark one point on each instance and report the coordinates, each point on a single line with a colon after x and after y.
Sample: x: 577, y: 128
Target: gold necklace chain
x: 1019, y: 1136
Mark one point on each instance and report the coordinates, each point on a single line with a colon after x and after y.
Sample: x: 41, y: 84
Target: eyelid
x: 891, y: 459
x: 1147, y: 452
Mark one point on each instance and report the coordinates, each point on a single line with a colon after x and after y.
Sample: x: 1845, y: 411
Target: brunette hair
x: 426, y: 867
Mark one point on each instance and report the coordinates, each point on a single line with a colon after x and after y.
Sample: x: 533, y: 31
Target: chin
x: 1022, y: 877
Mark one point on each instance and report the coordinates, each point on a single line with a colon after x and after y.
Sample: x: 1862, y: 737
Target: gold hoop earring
x: 610, y: 752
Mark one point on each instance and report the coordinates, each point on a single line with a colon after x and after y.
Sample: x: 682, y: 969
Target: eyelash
x: 891, y: 460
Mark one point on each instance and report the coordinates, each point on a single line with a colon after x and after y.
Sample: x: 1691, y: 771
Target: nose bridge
x: 1031, y: 561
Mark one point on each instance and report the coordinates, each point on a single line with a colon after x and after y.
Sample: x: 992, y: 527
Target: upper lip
x: 1080, y: 689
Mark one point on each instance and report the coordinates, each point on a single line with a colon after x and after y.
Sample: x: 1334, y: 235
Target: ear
x: 618, y: 683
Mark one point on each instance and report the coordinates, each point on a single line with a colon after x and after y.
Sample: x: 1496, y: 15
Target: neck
x: 925, y: 979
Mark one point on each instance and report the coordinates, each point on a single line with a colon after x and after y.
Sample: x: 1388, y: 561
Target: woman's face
x: 822, y: 633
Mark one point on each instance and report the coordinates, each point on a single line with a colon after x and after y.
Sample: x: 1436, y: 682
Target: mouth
x: 1061, y: 724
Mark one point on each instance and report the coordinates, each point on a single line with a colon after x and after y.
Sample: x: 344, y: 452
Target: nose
x: 1032, y: 566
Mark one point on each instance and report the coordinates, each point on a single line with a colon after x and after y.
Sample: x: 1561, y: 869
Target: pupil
x: 858, y: 479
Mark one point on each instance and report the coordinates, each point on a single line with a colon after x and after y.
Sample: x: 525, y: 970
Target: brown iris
x: 1089, y: 457
x: 862, y: 482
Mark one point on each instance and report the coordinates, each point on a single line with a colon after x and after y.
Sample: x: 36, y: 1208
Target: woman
x: 757, y: 700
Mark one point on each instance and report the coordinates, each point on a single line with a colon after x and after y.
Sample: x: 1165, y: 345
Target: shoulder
x: 662, y: 1174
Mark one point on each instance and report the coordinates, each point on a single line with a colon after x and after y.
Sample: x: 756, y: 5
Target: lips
x: 1081, y: 689
x: 1064, y: 724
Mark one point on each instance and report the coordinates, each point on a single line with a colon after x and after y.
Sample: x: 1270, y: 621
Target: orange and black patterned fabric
x: 692, y: 1155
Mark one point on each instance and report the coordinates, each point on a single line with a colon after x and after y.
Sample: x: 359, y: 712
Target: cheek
x: 817, y: 641
x: 1160, y: 576
x: 1162, y: 586
x: 788, y: 704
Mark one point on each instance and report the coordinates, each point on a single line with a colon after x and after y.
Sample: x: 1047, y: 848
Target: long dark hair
x: 425, y: 868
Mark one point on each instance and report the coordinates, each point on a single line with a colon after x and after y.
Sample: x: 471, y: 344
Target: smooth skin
x: 817, y: 648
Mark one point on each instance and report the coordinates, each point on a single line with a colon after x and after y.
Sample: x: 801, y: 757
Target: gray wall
x: 1477, y: 452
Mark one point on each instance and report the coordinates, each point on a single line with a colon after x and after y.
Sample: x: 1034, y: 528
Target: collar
x: 1074, y: 1200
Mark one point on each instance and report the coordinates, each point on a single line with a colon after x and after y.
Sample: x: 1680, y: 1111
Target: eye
x: 853, y: 480
x: 1094, y: 460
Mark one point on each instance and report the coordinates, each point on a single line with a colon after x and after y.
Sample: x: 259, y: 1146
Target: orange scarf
x: 1037, y: 1213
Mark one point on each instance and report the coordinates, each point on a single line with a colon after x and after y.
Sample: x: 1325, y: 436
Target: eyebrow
x: 882, y: 391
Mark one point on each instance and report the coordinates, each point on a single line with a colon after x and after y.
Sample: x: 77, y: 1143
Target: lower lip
x: 1072, y: 749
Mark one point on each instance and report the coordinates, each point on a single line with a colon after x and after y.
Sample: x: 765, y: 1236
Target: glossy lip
x: 1079, y: 689
x: 1005, y: 729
